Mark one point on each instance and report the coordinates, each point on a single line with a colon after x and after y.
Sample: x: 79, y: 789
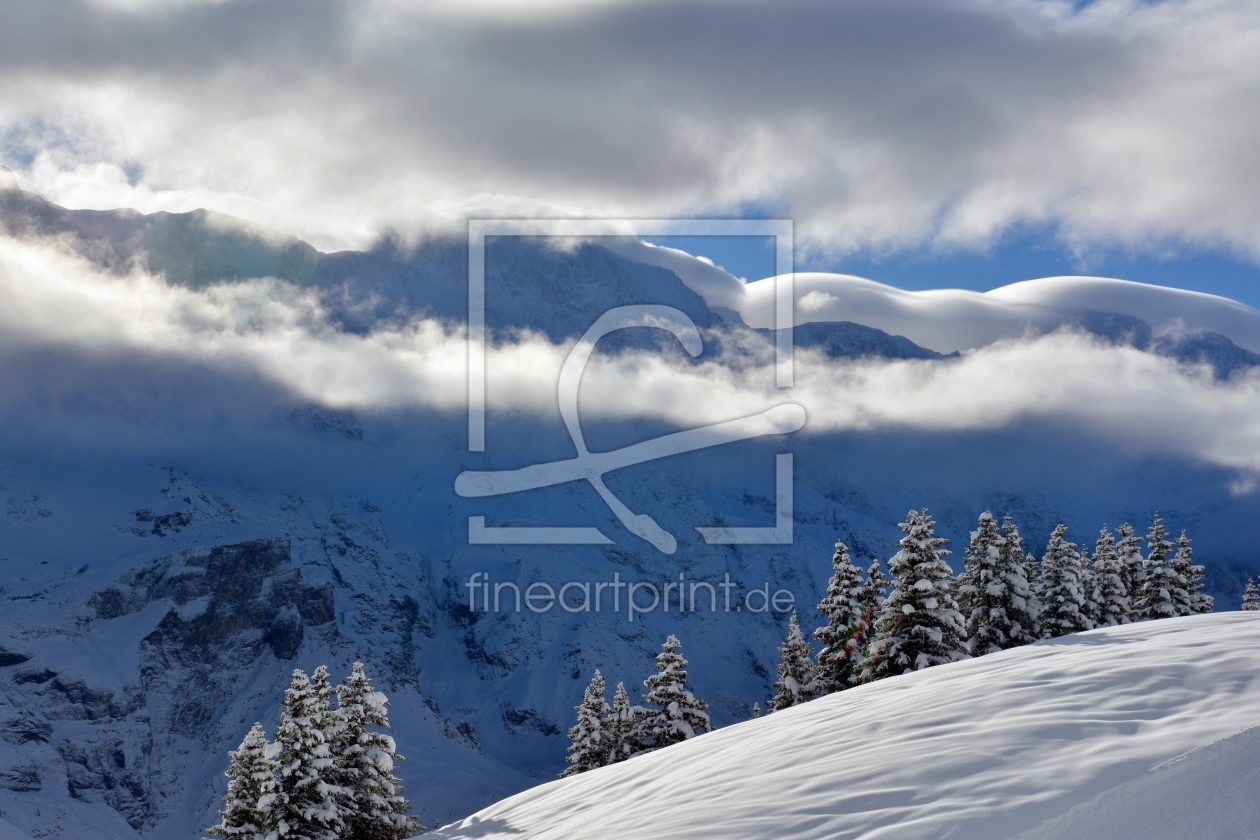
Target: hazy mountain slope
x: 192, y: 249
x: 1146, y: 731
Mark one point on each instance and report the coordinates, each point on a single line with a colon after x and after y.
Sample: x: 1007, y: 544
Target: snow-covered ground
x: 1149, y: 731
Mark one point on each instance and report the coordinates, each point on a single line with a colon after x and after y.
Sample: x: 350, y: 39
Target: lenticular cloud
x: 278, y: 334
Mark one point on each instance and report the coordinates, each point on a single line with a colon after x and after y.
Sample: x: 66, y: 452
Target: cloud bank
x: 271, y: 333
x: 875, y: 124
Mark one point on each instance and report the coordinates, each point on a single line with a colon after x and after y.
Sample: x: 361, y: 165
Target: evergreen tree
x: 846, y: 610
x: 1195, y: 601
x: 1062, y: 598
x: 876, y: 588
x: 1251, y: 597
x: 1129, y: 550
x: 308, y: 803
x: 1013, y: 558
x: 756, y: 710
x: 372, y: 800
x: 677, y: 714
x: 625, y: 731
x: 993, y: 594
x: 589, y: 745
x: 1161, y: 587
x: 250, y: 804
x: 1109, y: 575
x: 796, y: 669
x: 919, y: 625
x: 1091, y: 605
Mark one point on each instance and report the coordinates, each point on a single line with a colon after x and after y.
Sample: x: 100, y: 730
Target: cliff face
x: 219, y: 611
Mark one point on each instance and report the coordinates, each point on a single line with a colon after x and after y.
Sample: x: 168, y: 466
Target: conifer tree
x: 625, y: 731
x: 1091, y: 603
x: 589, y: 743
x: 1158, y: 596
x: 1013, y: 558
x: 308, y: 804
x: 674, y: 713
x: 847, y: 614
x: 1129, y: 548
x: 756, y: 710
x: 1061, y: 596
x: 876, y: 588
x: 1251, y: 596
x: 919, y: 625
x: 250, y: 806
x: 993, y: 594
x: 1109, y: 576
x: 796, y: 669
x: 1195, y: 601
x: 373, y: 803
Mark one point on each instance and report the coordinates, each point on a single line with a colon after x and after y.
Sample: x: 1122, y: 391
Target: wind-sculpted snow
x: 1144, y: 731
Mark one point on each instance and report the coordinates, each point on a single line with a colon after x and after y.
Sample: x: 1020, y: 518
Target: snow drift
x: 1142, y: 731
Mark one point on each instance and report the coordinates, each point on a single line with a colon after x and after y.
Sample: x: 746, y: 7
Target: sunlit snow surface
x: 1147, y: 731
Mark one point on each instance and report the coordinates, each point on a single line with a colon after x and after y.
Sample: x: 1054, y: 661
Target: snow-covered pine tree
x: 589, y: 742
x: 374, y: 806
x: 1061, y: 596
x: 674, y: 713
x: 993, y: 594
x: 1161, y: 588
x: 1251, y: 596
x: 845, y: 608
x: 1013, y: 558
x: 1091, y: 606
x: 1129, y: 550
x: 920, y: 625
x: 756, y: 710
x: 1109, y: 575
x: 308, y: 804
x: 876, y: 588
x: 1183, y: 565
x: 625, y: 735
x: 796, y: 669
x: 250, y: 804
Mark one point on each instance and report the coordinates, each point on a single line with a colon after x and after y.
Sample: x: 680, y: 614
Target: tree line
x: 1003, y: 598
x: 327, y: 775
x: 607, y: 734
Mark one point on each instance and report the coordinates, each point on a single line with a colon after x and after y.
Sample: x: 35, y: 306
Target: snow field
x: 1137, y: 731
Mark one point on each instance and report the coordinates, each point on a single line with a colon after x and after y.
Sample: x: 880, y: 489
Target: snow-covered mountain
x: 1149, y: 731
x: 192, y: 510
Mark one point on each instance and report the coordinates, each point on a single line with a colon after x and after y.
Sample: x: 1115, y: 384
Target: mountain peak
x: 8, y: 181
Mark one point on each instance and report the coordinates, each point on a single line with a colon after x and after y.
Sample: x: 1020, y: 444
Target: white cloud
x: 273, y: 333
x: 816, y: 301
x: 872, y: 123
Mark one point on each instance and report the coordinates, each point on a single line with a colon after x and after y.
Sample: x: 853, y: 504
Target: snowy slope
x: 1149, y: 731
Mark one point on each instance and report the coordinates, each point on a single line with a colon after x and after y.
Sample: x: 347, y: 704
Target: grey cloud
x: 873, y: 123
